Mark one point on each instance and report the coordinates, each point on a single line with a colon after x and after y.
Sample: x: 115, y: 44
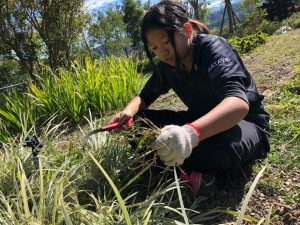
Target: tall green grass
x: 99, y: 86
x: 16, y: 114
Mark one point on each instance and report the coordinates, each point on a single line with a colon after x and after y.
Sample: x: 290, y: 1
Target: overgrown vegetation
x: 248, y: 43
x: 255, y: 29
x: 293, y: 21
x: 73, y: 186
x: 99, y: 85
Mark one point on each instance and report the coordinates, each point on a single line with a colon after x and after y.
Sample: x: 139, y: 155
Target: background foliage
x: 99, y: 85
x: 55, y: 33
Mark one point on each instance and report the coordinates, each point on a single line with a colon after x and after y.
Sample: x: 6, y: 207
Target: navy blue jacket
x: 217, y: 72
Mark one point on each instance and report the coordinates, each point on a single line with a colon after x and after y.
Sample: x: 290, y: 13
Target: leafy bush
x: 269, y: 27
x: 248, y: 43
x: 293, y: 21
x: 252, y: 21
x: 255, y: 20
x: 7, y: 67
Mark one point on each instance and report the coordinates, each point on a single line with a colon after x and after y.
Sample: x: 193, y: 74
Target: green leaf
x: 10, y: 118
x: 115, y: 189
x: 248, y: 196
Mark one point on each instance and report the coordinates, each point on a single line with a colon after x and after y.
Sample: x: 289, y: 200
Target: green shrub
x: 293, y: 21
x: 269, y: 27
x: 253, y: 20
x: 248, y: 43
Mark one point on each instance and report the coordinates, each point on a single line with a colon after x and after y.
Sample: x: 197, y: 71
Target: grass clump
x: 99, y: 86
x: 107, y: 183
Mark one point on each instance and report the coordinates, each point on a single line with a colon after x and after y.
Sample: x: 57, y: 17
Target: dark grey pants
x: 228, y: 150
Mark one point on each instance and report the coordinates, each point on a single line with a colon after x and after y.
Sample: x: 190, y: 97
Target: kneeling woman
x: 225, y: 125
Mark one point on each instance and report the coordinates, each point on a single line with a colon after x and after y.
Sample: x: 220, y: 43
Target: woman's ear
x: 188, y: 28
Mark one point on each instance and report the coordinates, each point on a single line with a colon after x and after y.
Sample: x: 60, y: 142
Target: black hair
x: 170, y: 16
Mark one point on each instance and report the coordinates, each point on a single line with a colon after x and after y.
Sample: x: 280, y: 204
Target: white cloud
x: 94, y: 4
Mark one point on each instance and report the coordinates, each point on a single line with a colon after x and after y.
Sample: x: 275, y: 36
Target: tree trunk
x: 27, y: 65
x: 87, y: 46
x: 230, y: 16
x: 196, y: 8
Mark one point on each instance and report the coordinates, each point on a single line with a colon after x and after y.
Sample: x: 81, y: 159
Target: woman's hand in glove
x: 175, y: 143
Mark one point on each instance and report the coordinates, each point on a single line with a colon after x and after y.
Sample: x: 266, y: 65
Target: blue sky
x: 96, y: 4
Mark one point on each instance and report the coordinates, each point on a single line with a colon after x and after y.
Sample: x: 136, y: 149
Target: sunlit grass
x: 75, y: 186
x: 100, y: 86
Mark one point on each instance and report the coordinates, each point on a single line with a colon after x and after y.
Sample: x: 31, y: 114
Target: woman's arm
x: 223, y: 117
x: 175, y: 143
x: 134, y: 106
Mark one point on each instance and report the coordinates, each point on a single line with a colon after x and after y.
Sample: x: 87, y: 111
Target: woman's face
x: 160, y: 44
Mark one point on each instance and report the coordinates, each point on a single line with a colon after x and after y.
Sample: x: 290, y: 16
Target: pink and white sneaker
x: 193, y: 181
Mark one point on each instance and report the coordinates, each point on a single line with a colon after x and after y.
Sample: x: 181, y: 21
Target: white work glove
x: 175, y: 143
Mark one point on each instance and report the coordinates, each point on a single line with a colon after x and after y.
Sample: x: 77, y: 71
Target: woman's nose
x: 165, y: 51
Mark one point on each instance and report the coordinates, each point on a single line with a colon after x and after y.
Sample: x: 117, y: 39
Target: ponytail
x: 199, y: 26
